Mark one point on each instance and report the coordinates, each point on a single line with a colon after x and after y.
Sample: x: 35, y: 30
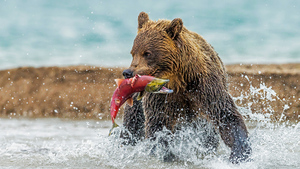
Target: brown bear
x: 166, y: 49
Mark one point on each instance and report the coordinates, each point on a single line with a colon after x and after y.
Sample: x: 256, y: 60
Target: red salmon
x: 127, y: 87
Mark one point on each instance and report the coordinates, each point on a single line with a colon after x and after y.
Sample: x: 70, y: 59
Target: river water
x: 61, y: 143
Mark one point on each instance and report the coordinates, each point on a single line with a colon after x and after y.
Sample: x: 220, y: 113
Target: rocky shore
x: 79, y: 92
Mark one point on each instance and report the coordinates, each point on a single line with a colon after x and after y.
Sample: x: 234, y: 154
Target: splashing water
x: 53, y: 142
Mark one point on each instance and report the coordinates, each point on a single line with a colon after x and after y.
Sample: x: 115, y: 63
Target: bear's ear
x: 174, y: 28
x: 142, y: 19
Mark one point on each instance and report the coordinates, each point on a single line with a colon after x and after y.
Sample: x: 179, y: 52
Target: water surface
x: 58, y: 143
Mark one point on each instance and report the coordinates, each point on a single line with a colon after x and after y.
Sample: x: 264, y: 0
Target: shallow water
x: 53, y: 142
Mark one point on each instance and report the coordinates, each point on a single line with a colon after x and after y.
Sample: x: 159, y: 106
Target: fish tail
x: 114, y: 126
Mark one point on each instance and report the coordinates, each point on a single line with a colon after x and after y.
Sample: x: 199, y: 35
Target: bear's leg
x: 208, y: 134
x: 155, y: 121
x: 133, y: 122
x: 234, y: 132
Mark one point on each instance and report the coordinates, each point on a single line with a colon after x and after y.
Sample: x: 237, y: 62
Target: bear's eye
x: 147, y: 54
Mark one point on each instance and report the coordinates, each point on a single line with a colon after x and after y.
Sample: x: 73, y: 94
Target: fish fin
x: 141, y: 95
x: 114, y: 126
x: 134, y: 80
x: 119, y: 81
x: 130, y: 102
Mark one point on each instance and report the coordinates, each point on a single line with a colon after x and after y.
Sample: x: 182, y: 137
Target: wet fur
x: 166, y: 49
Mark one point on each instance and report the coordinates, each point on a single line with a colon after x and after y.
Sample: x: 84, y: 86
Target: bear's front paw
x: 169, y: 157
x: 241, y: 154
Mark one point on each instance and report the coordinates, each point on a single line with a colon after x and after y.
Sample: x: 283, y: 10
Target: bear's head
x: 156, y: 49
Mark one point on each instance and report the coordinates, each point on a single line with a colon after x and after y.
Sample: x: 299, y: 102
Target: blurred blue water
x: 101, y: 33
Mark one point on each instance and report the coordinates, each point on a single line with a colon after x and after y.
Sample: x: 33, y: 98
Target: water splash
x: 263, y: 96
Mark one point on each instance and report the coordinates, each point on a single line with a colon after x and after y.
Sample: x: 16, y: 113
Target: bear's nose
x: 127, y: 73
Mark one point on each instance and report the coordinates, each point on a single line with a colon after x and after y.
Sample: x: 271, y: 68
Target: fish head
x: 156, y: 85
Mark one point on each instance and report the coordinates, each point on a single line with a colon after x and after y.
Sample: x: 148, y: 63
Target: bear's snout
x: 127, y: 73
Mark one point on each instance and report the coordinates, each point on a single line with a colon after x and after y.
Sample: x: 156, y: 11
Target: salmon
x: 127, y: 87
